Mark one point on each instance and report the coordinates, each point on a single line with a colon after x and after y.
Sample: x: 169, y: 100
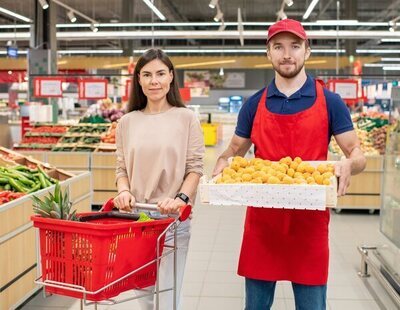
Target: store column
x: 350, y: 13
x: 127, y: 17
x: 42, y: 55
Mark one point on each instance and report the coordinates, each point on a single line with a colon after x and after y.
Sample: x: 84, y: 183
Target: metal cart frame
x: 182, y: 216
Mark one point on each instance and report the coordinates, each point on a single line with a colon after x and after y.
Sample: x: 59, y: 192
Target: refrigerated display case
x: 384, y: 260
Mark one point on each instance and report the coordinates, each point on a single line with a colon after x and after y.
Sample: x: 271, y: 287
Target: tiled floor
x: 211, y: 282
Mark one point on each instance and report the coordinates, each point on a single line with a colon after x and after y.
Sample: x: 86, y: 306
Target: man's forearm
x: 232, y: 151
x: 358, y: 161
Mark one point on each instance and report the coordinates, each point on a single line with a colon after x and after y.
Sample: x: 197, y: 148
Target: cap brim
x: 290, y: 31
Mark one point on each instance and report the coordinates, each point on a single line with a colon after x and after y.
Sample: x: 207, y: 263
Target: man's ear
x: 268, y: 54
x: 308, y: 53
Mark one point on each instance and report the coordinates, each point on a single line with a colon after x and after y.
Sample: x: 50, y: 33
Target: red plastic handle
x: 184, y: 211
x: 108, y: 206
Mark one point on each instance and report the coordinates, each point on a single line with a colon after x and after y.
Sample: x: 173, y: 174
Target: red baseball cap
x: 287, y: 25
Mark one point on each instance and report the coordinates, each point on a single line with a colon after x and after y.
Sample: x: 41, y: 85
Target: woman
x: 160, y: 152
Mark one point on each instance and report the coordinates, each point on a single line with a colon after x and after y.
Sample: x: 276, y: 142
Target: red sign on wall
x: 92, y: 88
x: 128, y: 86
x: 47, y: 87
x: 185, y: 94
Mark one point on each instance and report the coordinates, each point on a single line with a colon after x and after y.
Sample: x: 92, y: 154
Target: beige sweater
x: 157, y: 151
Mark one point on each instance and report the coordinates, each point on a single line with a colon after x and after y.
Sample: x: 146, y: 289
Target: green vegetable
x: 143, y: 217
x: 17, y: 186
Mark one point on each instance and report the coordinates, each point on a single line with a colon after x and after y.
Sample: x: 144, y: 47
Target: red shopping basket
x: 96, y: 253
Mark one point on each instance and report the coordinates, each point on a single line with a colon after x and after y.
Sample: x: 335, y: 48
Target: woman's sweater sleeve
x: 196, y: 148
x: 121, y: 167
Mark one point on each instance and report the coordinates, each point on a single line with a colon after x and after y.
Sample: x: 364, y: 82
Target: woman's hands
x: 125, y: 201
x: 169, y: 205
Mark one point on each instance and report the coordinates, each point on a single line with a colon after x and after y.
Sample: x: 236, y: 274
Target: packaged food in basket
x: 287, y: 183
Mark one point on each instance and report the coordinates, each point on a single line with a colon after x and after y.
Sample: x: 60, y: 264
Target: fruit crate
x: 281, y: 196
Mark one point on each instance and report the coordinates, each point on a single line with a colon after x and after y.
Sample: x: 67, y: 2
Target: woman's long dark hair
x: 138, y: 100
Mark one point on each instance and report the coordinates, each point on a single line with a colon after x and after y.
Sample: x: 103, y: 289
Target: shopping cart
x: 106, y: 253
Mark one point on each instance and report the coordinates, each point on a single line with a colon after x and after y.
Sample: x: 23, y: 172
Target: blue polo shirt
x: 338, y: 114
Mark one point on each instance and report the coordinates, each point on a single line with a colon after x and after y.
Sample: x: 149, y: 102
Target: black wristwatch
x: 183, y: 197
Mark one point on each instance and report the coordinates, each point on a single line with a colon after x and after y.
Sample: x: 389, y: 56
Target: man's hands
x: 343, y: 172
x: 125, y: 201
x: 169, y: 205
x: 219, y: 166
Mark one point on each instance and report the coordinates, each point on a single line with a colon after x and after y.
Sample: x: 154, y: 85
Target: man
x: 293, y: 116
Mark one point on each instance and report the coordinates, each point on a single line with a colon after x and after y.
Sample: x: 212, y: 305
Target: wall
x: 255, y: 80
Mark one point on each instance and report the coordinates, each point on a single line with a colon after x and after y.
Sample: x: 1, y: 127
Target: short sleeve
x: 246, y: 115
x: 339, y: 115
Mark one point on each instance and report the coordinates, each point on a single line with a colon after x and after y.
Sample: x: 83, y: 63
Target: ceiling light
x: 73, y: 11
x: 289, y: 2
x: 11, y: 13
x: 213, y: 4
x: 391, y: 68
x: 94, y: 28
x: 154, y: 9
x: 222, y: 26
x: 310, y: 9
x: 263, y: 66
x: 380, y: 51
x: 390, y: 40
x: 62, y: 52
x: 281, y: 15
x: 206, y: 63
x: 372, y: 65
x: 195, y: 24
x: 240, y: 27
x: 218, y: 16
x: 44, y: 4
x: 390, y: 59
x: 343, y: 22
x: 71, y: 16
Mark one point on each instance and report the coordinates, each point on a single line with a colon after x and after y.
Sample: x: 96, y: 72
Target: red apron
x: 282, y: 244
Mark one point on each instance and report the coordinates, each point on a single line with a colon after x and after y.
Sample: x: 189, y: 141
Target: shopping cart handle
x: 184, y: 211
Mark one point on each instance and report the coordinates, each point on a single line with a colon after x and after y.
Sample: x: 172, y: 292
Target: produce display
x: 113, y: 115
x: 24, y: 179
x: 49, y: 129
x: 86, y: 128
x: 109, y: 137
x: 371, y: 129
x: 286, y: 171
x: 7, y: 196
x: 104, y: 111
x: 41, y: 138
x: 93, y: 119
x: 75, y: 138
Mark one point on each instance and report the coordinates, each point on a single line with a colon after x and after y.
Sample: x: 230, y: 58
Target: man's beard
x: 288, y: 74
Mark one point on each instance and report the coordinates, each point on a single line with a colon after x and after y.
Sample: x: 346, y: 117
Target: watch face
x: 183, y: 197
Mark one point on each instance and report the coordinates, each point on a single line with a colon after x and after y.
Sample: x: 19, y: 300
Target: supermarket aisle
x: 211, y: 282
